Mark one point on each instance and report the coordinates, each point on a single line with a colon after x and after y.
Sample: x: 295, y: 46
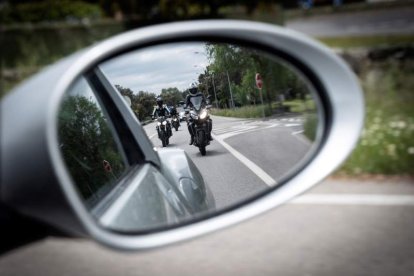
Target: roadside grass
x: 345, y: 42
x: 306, y: 108
x: 256, y: 111
x: 300, y: 106
x: 251, y: 111
x: 387, y: 142
x: 310, y: 126
x: 348, y: 8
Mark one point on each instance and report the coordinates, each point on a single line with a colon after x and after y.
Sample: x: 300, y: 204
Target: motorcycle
x: 175, y: 122
x: 164, y: 130
x: 199, y: 117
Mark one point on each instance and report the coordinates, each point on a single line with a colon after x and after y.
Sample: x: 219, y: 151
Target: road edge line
x: 248, y: 163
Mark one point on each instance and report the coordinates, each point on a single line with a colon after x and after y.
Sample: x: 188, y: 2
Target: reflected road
x: 246, y: 156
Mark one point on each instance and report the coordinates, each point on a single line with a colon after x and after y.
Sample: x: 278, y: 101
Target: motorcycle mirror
x: 92, y: 168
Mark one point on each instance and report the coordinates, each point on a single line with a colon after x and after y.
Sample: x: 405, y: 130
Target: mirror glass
x: 245, y: 119
x: 93, y: 156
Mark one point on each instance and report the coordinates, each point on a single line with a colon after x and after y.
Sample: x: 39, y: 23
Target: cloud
x: 154, y: 68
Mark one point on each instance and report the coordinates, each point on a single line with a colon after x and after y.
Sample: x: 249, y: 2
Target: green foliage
x: 387, y: 142
x: 142, y: 103
x: 171, y: 96
x: 368, y: 41
x: 49, y: 10
x: 244, y: 112
x: 310, y: 126
x: 86, y: 141
x: 33, y: 49
x: 301, y: 106
x: 234, y: 69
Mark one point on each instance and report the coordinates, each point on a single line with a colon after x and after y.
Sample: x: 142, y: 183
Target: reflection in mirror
x: 92, y: 155
x: 245, y: 119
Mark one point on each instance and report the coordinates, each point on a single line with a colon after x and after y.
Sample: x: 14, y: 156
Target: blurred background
x: 376, y: 38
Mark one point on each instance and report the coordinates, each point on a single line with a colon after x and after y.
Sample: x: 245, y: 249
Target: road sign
x: 259, y: 81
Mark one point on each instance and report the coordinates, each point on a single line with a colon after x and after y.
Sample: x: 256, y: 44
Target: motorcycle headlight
x: 158, y: 123
x: 164, y: 123
x: 203, y: 114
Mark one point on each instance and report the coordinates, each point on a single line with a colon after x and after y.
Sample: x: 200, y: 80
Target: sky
x: 154, y: 68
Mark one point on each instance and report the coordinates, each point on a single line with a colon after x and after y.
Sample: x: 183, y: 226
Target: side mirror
x: 92, y: 170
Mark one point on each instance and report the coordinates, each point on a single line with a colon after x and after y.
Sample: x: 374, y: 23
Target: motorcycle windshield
x: 197, y: 102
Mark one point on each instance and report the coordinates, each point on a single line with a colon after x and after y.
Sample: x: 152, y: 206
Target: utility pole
x: 214, y: 89
x: 231, y: 92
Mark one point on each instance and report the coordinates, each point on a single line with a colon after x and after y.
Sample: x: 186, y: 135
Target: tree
x: 86, y: 142
x: 171, y: 96
x: 241, y: 65
x: 142, y: 103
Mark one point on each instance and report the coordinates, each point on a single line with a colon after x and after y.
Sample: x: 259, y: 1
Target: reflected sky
x: 158, y: 67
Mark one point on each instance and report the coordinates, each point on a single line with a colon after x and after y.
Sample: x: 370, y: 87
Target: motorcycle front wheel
x: 201, y: 142
x: 164, y: 140
x: 202, y: 150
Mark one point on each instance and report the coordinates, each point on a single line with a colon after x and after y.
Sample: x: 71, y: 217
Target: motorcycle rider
x: 193, y: 92
x: 161, y: 111
x: 173, y: 112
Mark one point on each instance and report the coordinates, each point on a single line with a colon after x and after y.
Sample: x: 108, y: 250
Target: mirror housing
x: 45, y: 191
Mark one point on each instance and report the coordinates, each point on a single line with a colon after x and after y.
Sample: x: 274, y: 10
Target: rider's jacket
x: 160, y: 112
x: 173, y: 111
x: 188, y: 103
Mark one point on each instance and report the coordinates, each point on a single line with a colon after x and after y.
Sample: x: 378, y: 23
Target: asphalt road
x: 387, y: 21
x: 341, y: 227
x: 246, y: 157
x: 356, y: 236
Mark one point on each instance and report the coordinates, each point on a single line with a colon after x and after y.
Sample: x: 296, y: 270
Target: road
x: 389, y: 21
x: 341, y: 227
x: 246, y: 157
x: 309, y: 237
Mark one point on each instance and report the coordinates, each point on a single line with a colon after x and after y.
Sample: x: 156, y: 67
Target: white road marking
x: 247, y: 162
x: 152, y: 136
x: 297, y: 132
x: 291, y: 125
x: 273, y: 125
x: 355, y: 199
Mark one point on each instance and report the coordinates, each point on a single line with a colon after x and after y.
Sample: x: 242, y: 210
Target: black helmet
x: 159, y: 101
x: 193, y: 89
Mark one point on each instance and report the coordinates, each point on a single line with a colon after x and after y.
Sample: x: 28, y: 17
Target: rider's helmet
x: 193, y: 89
x: 159, y: 101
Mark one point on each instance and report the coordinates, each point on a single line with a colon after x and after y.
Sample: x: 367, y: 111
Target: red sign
x: 259, y: 81
x: 107, y: 166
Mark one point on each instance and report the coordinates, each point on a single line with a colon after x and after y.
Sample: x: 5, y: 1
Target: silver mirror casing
x: 36, y: 183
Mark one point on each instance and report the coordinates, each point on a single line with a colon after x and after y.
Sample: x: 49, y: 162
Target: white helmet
x: 193, y: 89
